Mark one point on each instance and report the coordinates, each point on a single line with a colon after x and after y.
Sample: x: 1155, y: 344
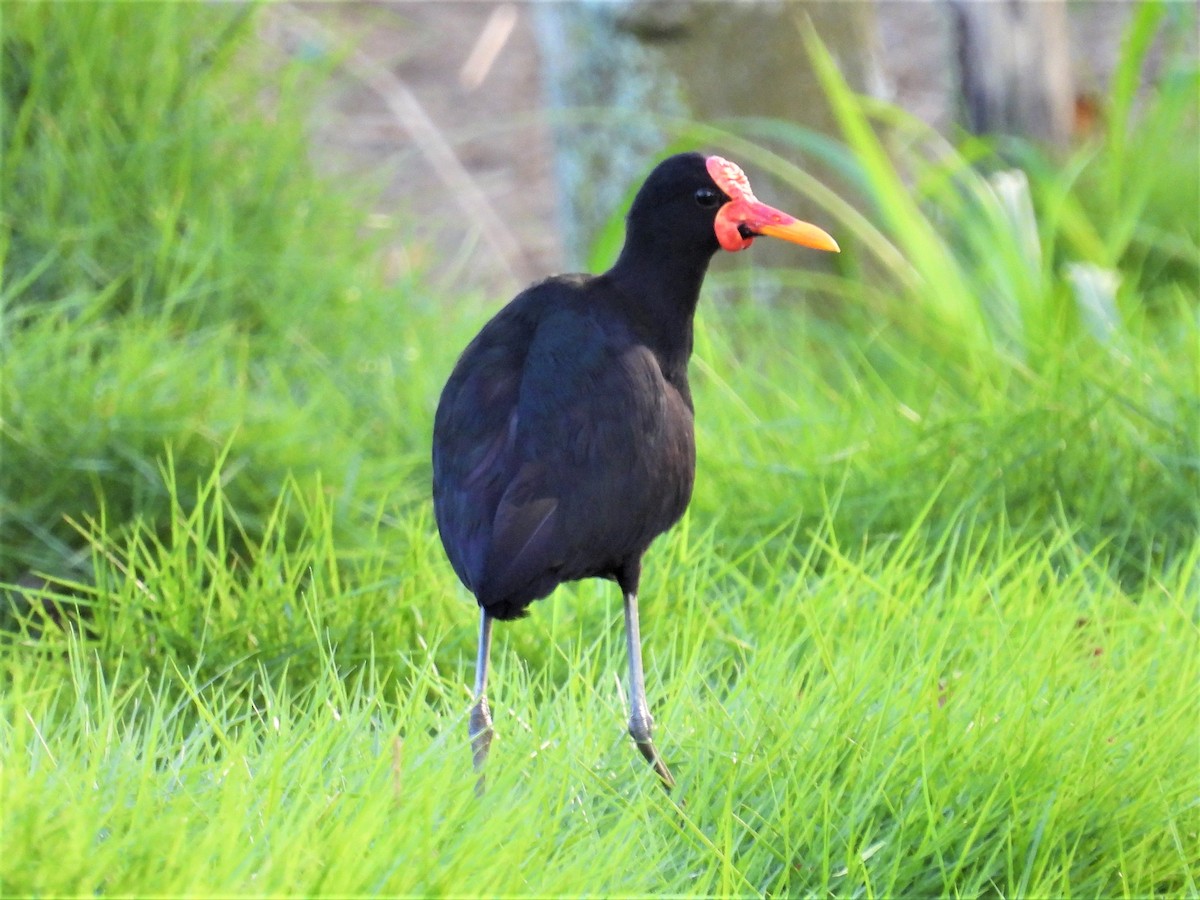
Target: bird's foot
x: 640, y: 728
x: 660, y: 768
x: 480, y: 730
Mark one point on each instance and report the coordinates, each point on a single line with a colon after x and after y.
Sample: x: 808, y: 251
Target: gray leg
x: 641, y: 724
x: 480, y: 728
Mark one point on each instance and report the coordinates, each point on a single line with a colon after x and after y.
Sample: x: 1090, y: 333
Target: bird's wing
x: 474, y: 436
x: 551, y: 451
x: 588, y: 490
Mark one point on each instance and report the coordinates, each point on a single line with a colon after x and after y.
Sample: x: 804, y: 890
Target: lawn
x: 930, y: 626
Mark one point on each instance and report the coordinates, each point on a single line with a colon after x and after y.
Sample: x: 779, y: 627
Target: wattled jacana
x: 563, y: 443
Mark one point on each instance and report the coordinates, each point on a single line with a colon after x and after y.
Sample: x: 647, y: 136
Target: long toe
x: 660, y: 767
x: 480, y: 731
x: 640, y: 729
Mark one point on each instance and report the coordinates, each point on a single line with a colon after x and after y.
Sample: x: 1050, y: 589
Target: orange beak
x: 744, y: 218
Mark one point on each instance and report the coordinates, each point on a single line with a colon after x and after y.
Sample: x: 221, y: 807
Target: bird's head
x: 694, y: 199
x: 743, y: 217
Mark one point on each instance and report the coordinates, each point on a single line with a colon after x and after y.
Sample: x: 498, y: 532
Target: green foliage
x: 175, y: 276
x: 1006, y: 360
x: 930, y: 627
x: 991, y: 712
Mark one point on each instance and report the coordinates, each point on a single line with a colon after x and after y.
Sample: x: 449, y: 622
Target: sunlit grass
x: 980, y: 711
x: 929, y: 628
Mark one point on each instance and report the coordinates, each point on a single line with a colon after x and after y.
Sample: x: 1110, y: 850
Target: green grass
x: 929, y: 628
x: 976, y: 714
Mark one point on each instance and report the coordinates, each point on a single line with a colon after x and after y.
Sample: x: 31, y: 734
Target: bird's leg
x: 480, y: 728
x: 641, y: 723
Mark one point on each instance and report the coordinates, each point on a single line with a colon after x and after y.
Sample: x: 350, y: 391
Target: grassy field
x: 929, y: 628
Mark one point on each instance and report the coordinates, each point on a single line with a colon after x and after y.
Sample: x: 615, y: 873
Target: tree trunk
x: 646, y: 62
x: 1015, y: 67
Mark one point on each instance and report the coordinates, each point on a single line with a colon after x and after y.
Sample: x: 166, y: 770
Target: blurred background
x: 243, y: 251
x: 555, y: 110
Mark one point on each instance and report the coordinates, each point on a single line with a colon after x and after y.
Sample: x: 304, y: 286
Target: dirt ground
x: 463, y: 147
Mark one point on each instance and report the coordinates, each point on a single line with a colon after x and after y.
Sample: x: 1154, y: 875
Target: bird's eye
x: 708, y: 198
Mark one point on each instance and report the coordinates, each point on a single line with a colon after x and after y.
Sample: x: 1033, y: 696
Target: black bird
x: 563, y: 443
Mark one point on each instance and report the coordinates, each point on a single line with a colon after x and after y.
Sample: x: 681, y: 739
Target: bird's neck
x: 660, y: 294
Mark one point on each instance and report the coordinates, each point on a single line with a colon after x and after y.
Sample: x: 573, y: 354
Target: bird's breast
x: 662, y: 437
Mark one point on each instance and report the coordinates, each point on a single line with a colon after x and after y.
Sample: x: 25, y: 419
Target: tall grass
x: 990, y: 712
x: 1006, y: 362
x: 929, y: 628
x: 175, y: 275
